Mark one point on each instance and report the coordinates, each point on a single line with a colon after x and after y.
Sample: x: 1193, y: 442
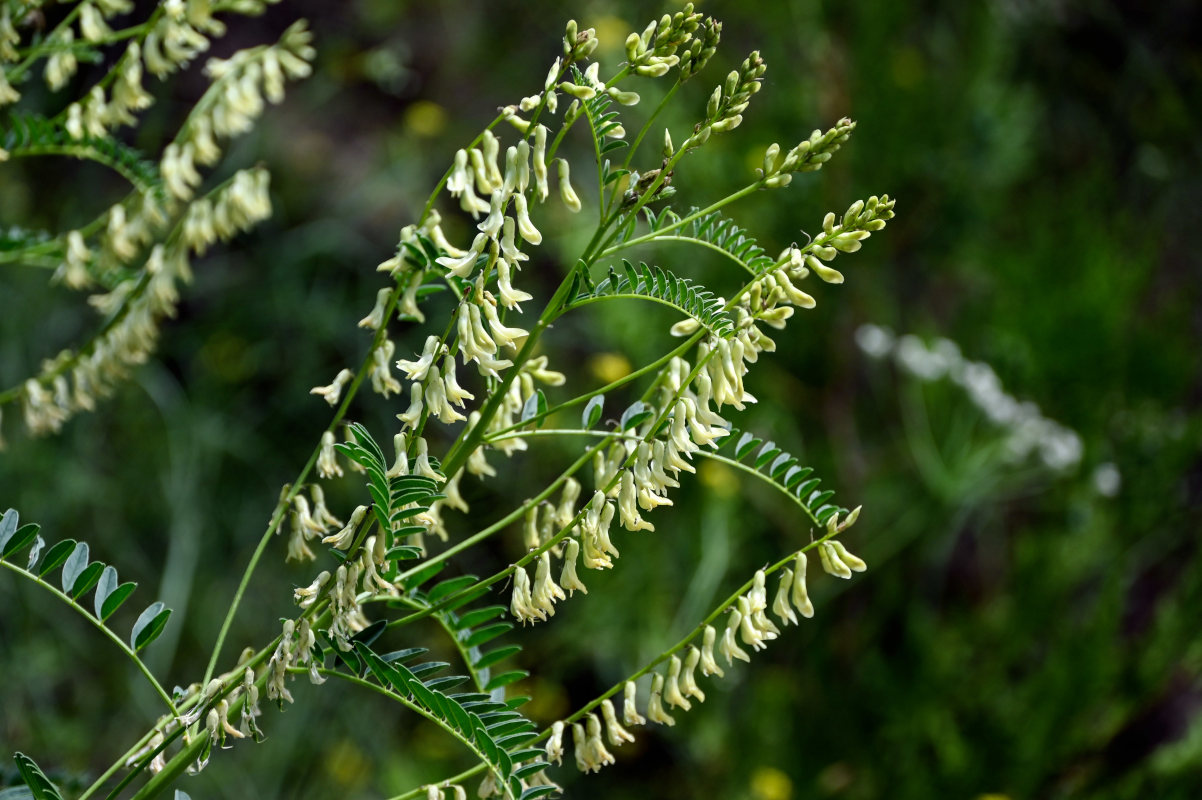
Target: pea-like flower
x: 672, y: 693
x: 568, y: 578
x: 614, y: 731
x: 630, y: 710
x: 655, y: 705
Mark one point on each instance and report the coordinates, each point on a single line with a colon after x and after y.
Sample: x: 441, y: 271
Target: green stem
x: 651, y: 665
x: 45, y: 47
x: 739, y: 465
x: 584, y: 398
x: 37, y: 262
x: 746, y: 190
x: 690, y: 636
x: 117, y: 765
x: 277, y: 517
x: 710, y: 245
x: 80, y: 150
x: 508, y: 519
x: 613, y: 195
x: 462, y: 776
x: 160, y: 781
x: 412, y: 706
x: 647, y: 125
x: 117, y: 640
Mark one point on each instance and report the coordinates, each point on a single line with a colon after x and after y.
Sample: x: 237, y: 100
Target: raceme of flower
x: 136, y: 255
x: 1026, y: 431
x: 676, y: 687
x: 482, y: 380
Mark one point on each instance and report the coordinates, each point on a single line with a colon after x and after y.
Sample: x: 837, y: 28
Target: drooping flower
x: 568, y: 578
x: 554, y: 748
x: 332, y: 393
x: 616, y: 734
x: 831, y: 561
x: 655, y: 706
x: 729, y: 647
x: 672, y: 693
x: 545, y: 591
x: 688, y: 683
x: 799, y: 596
x: 630, y: 710
x: 780, y: 604
x: 327, y: 463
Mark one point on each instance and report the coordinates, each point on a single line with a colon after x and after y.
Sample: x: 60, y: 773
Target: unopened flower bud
x: 853, y: 562
x: 565, y: 186
x: 831, y: 561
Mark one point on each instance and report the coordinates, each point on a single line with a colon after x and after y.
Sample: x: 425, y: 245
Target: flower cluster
x: 161, y: 233
x: 807, y: 156
x: 676, y: 687
x: 73, y: 381
x: 726, y: 104
x: 635, y: 467
x: 654, y: 52
x: 309, y: 522
x: 216, y: 701
x: 1027, y: 430
x: 177, y: 32
x: 231, y: 104
x: 635, y: 476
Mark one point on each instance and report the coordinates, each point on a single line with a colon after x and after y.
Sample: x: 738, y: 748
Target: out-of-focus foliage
x: 1023, y: 632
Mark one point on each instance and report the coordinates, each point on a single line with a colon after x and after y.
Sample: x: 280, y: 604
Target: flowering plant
x: 476, y: 389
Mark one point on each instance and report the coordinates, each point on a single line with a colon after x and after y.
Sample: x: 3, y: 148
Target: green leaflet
x: 711, y: 230
x: 601, y: 119
x: 535, y: 405
x: 655, y: 284
x: 772, y: 464
x: 394, y: 500
x: 34, y: 134
x: 79, y: 576
x: 39, y: 785
x: 149, y: 625
x: 500, y: 732
x: 489, y: 729
x: 471, y: 630
x: 592, y: 412
x: 636, y: 414
x: 15, y: 239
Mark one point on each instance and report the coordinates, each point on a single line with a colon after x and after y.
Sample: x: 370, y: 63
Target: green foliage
x: 604, y: 121
x: 655, y: 284
x: 79, y: 576
x: 35, y: 779
x: 395, y: 501
x: 769, y: 462
x: 492, y: 730
x: 712, y: 230
x: 30, y: 134
x: 592, y: 412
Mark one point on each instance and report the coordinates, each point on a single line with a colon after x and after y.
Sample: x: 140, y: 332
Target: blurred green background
x: 1022, y: 632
